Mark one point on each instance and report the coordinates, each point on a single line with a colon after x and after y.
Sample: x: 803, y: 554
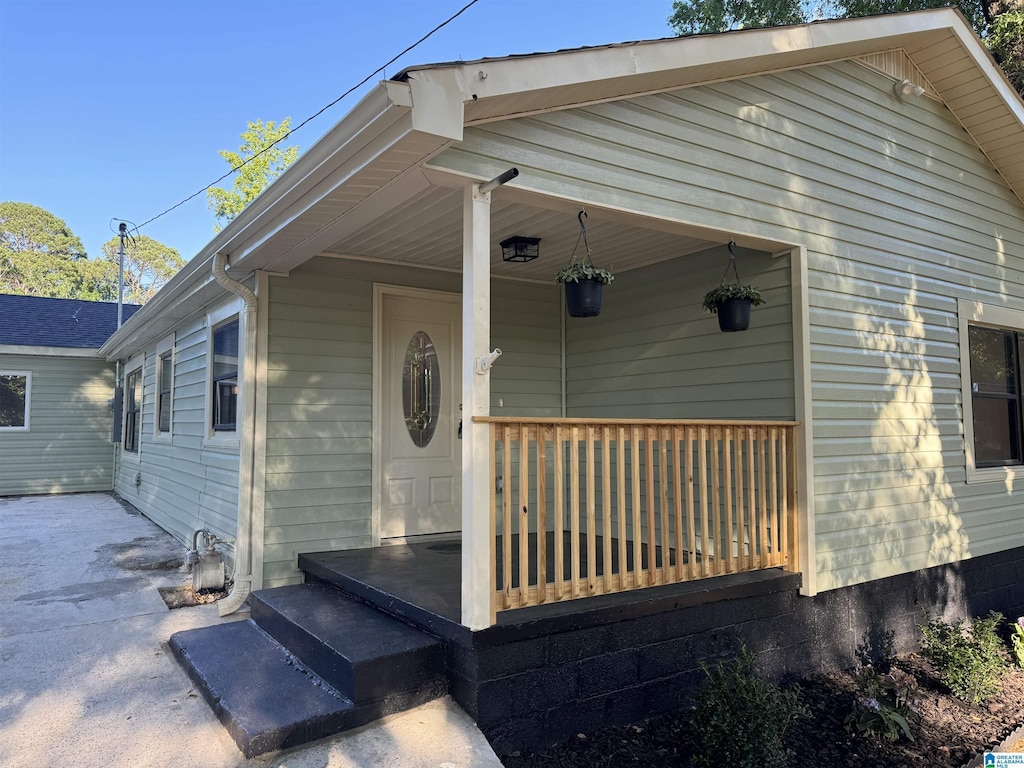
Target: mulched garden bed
x: 950, y: 733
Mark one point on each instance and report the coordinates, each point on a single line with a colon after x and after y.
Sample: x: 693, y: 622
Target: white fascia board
x: 19, y: 349
x: 624, y: 66
x: 384, y: 104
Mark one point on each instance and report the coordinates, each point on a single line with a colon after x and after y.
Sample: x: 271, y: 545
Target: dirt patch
x: 951, y: 732
x: 186, y: 597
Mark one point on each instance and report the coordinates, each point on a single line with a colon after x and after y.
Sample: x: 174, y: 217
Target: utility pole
x: 122, y: 233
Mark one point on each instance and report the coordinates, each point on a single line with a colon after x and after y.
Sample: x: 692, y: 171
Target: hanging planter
x: 732, y: 301
x: 583, y: 281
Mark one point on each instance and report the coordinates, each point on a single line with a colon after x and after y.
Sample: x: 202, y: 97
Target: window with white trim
x: 992, y: 375
x: 15, y: 399
x: 163, y: 423
x: 225, y: 377
x: 132, y: 410
x: 996, y: 395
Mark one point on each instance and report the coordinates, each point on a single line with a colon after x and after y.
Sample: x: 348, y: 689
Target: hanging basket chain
x: 582, y: 236
x: 732, y: 263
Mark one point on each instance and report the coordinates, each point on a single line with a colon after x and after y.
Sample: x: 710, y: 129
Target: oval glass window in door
x: 421, y: 388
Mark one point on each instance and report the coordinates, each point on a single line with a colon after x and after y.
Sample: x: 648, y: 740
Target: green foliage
x: 725, y: 291
x: 740, y: 718
x: 256, y: 174
x: 1006, y: 40
x: 575, y: 271
x: 40, y: 255
x: 887, y: 704
x: 968, y: 657
x: 690, y: 17
x: 148, y: 265
x: 1017, y: 640
x: 971, y: 9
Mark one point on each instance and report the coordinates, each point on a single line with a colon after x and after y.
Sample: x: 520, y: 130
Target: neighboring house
x: 55, y: 391
x: 865, y: 435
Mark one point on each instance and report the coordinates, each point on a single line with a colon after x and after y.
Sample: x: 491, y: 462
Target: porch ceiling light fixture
x: 518, y: 248
x: 907, y: 88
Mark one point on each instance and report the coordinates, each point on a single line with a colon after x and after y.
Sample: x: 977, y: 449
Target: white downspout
x: 247, y: 391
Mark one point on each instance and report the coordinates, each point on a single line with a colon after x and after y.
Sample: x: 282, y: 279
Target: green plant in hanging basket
x: 725, y: 291
x: 575, y: 271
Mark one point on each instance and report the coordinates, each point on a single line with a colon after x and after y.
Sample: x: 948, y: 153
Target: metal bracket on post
x: 483, y: 364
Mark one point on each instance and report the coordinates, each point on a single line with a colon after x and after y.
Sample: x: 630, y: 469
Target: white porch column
x: 477, y: 517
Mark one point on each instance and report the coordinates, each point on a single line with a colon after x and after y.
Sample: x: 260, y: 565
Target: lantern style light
x: 518, y: 248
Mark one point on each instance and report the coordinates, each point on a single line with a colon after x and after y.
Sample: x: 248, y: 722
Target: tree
x: 39, y: 254
x: 252, y: 177
x: 691, y: 17
x: 1006, y: 41
x: 148, y: 264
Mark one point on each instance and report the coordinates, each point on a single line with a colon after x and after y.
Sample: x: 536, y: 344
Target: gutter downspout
x: 243, y: 541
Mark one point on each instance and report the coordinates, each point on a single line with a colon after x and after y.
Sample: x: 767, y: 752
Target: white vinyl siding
x: 901, y: 215
x: 320, y: 388
x: 67, y: 447
x: 183, y: 483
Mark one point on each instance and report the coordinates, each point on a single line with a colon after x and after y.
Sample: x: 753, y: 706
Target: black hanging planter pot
x: 583, y: 281
x: 734, y: 315
x: 583, y: 298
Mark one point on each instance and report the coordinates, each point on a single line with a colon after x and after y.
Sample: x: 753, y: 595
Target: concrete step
x: 263, y: 697
x: 269, y: 698
x: 362, y: 652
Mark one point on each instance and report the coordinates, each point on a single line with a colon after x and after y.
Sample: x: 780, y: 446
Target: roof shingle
x: 36, y: 321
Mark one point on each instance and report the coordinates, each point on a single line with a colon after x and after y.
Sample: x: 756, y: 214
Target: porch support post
x: 477, y: 517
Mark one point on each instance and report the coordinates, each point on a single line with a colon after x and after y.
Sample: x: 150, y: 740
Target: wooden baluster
x: 784, y: 508
x: 542, y: 514
x: 606, y: 505
x: 704, y: 507
x: 716, y: 521
x: 497, y: 598
x: 651, y: 496
x: 773, y: 477
x: 752, y: 498
x: 691, y: 526
x: 558, y: 513
x: 663, y: 476
x: 763, y: 497
x: 677, y: 498
x: 637, y: 529
x: 742, y: 537
x: 574, y: 500
x: 728, y: 512
x: 591, y: 515
x: 524, y: 512
x: 620, y: 478
x: 506, y: 502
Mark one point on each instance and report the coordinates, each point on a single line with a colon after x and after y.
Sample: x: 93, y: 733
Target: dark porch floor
x: 423, y: 580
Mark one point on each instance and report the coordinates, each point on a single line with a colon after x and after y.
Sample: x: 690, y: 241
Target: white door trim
x: 380, y: 291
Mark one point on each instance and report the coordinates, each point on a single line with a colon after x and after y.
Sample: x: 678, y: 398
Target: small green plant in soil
x: 887, y: 705
x: 739, y: 717
x: 968, y: 657
x: 725, y: 291
x: 1017, y: 641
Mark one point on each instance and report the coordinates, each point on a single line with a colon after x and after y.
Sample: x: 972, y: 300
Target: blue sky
x: 117, y: 109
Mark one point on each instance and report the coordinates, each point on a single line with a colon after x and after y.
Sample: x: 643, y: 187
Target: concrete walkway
x: 86, y: 678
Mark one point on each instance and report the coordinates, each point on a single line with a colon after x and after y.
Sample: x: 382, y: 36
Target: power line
x: 358, y: 85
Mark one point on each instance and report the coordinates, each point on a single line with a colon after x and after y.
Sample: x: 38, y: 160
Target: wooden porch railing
x: 593, y: 506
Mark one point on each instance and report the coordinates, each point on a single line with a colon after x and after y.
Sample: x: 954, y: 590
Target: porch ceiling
x: 426, y: 230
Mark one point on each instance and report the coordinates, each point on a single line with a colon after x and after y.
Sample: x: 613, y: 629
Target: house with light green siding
x: 56, y: 415
x: 351, y: 364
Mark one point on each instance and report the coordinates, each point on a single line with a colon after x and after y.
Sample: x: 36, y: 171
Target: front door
x: 421, y: 390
